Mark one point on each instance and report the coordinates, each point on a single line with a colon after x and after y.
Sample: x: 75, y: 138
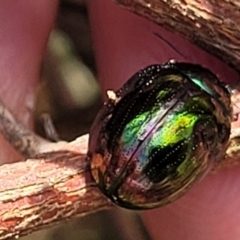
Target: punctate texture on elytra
x: 160, y: 133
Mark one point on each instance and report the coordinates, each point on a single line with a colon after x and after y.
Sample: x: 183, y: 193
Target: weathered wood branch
x: 52, y: 185
x: 213, y: 25
x: 50, y: 188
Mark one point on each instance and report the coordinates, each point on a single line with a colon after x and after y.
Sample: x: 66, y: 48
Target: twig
x: 48, y: 189
x: 212, y: 25
x: 23, y: 140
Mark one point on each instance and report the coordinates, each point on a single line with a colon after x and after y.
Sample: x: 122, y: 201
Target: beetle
x: 159, y: 134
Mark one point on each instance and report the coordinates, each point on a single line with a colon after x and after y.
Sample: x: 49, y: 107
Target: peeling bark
x: 214, y: 25
x: 50, y: 188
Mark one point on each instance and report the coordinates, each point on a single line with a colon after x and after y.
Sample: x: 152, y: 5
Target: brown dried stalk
x: 213, y: 25
x: 53, y: 185
x: 50, y: 188
x: 47, y: 189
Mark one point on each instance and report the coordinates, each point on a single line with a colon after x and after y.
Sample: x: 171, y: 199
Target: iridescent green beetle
x: 159, y: 134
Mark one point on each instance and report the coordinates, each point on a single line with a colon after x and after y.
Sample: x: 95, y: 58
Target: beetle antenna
x: 170, y: 45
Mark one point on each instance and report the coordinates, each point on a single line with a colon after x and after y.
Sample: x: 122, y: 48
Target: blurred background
x: 70, y: 94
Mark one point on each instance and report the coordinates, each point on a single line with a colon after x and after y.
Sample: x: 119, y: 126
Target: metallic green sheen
x: 167, y: 127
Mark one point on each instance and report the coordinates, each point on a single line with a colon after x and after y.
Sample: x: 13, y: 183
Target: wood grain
x: 214, y: 25
x: 50, y: 188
